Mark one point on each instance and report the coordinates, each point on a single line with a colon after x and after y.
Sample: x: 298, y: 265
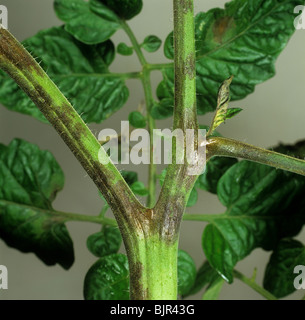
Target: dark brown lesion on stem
x: 15, y: 53
x: 137, y: 291
x: 187, y: 5
x: 178, y: 183
x: 172, y: 202
x: 189, y: 67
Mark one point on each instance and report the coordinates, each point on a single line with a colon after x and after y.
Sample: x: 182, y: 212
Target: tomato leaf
x: 89, y: 23
x: 108, y: 279
x: 105, y: 242
x: 234, y: 41
x: 29, y: 181
x: 186, y: 272
x: 80, y: 71
x: 279, y: 275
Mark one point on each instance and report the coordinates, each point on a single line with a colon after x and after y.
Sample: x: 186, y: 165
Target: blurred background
x: 274, y: 113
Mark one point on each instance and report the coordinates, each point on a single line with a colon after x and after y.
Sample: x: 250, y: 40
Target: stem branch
x: 134, y: 42
x: 67, y: 216
x: 159, y: 66
x: 26, y: 72
x: 219, y: 146
x: 252, y: 284
x: 201, y: 217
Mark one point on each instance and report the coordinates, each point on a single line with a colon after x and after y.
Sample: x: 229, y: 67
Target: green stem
x: 201, y: 217
x: 157, y: 276
x: 178, y: 183
x: 159, y: 66
x: 185, y: 112
x: 219, y: 146
x: 126, y: 75
x: 153, y: 254
x: 156, y: 254
x: 134, y: 42
x: 152, y: 173
x: 66, y: 216
x: 123, y: 75
x: 104, y: 210
x: 252, y: 284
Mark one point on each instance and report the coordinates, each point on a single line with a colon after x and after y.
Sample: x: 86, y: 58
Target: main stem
x: 178, y: 183
x: 153, y: 257
x: 153, y: 273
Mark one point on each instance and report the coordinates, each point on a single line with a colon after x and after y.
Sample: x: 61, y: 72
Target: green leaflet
x: 139, y: 188
x: 169, y: 51
x: 151, y: 43
x: 213, y: 290
x: 88, y: 26
x: 263, y: 206
x: 232, y: 112
x: 162, y: 176
x: 163, y: 109
x: 126, y: 9
x: 105, y: 242
x: 206, y: 275
x: 124, y: 50
x: 222, y: 105
x: 108, y: 279
x: 29, y: 181
x: 186, y: 272
x: 192, y: 198
x: 137, y: 120
x: 129, y: 176
x: 80, y: 71
x: 243, y: 40
x: 279, y: 275
x: 136, y: 186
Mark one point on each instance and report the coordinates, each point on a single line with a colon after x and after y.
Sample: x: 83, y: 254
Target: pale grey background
x: 274, y: 113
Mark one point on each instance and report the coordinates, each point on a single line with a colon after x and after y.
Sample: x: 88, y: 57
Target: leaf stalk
x: 219, y: 146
